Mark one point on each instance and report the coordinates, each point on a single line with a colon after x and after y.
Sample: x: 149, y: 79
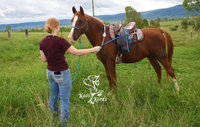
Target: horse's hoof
x: 110, y: 92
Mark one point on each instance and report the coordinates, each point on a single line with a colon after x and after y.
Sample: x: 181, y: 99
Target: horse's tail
x: 170, y: 48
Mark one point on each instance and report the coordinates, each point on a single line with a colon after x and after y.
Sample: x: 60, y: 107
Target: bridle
x: 82, y: 26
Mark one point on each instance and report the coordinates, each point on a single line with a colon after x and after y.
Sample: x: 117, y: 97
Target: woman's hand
x: 97, y: 49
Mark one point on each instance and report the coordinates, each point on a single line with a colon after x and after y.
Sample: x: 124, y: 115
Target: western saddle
x: 129, y: 28
x: 124, y: 41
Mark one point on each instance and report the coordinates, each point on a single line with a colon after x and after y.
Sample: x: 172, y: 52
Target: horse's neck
x: 95, y: 31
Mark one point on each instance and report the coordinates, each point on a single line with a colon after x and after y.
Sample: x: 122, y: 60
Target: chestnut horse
x: 153, y: 46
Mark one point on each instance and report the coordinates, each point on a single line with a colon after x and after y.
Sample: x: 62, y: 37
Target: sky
x: 20, y: 11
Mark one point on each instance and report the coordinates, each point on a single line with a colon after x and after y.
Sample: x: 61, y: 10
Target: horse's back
x: 152, y: 32
x: 153, y: 36
x: 153, y: 43
x: 155, y: 40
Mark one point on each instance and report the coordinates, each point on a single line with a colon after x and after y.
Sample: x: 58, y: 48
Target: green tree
x: 197, y: 24
x: 152, y: 22
x: 176, y: 26
x: 192, y: 23
x: 184, y: 24
x: 133, y: 16
x: 173, y: 28
x: 191, y: 5
x: 8, y: 28
x: 156, y: 25
x: 158, y: 19
x: 145, y: 23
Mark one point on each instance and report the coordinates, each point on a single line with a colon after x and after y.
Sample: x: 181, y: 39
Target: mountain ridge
x: 171, y: 12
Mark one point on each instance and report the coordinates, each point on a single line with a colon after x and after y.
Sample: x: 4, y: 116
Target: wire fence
x: 193, y: 36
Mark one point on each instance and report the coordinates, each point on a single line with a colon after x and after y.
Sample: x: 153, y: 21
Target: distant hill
x: 29, y: 25
x: 172, y: 12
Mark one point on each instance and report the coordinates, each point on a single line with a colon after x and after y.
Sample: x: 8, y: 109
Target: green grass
x: 141, y: 101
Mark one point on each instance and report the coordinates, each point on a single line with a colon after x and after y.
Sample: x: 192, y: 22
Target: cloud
x: 17, y: 11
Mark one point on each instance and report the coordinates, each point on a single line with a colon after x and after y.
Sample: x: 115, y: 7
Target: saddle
x: 129, y: 28
x: 130, y: 33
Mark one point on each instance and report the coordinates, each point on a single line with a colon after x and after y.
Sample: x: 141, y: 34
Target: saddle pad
x: 140, y: 34
x: 111, y: 31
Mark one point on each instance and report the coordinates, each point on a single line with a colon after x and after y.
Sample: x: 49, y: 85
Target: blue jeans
x: 60, y: 83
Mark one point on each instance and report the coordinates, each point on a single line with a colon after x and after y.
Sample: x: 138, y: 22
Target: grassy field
x: 141, y: 101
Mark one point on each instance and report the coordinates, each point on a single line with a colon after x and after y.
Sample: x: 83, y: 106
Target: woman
x: 52, y: 50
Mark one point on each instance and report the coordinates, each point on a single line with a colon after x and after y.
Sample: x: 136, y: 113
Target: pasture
x: 141, y: 101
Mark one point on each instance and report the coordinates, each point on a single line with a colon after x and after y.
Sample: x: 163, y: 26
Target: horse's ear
x: 82, y: 11
x: 74, y: 10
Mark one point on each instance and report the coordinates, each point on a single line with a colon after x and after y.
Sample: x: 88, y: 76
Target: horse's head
x: 79, y: 24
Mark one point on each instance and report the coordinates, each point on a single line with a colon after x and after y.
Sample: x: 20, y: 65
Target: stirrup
x: 118, y: 59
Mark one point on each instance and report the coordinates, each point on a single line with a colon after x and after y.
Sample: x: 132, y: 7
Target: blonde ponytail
x: 51, y: 24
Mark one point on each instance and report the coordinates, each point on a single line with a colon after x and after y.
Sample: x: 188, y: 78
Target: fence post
x: 198, y: 34
x: 191, y: 34
x: 26, y: 33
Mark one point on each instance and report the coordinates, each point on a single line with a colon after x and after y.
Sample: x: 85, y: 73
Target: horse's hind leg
x: 156, y: 66
x: 170, y: 70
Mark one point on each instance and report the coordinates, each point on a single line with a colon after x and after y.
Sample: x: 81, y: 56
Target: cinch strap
x: 126, y: 39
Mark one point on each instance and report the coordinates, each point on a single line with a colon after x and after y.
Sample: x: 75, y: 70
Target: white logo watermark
x: 95, y: 95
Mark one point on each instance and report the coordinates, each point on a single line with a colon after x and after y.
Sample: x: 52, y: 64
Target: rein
x: 109, y: 42
x: 78, y: 61
x: 104, y: 35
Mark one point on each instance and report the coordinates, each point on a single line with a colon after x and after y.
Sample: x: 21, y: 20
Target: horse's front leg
x: 107, y: 72
x: 110, y: 65
x: 111, y: 73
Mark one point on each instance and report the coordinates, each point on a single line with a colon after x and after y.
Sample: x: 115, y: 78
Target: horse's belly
x: 128, y: 58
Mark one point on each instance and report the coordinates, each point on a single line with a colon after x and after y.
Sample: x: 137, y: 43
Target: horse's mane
x: 96, y: 19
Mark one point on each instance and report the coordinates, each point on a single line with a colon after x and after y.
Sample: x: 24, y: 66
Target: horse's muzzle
x: 74, y: 37
x: 71, y: 38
